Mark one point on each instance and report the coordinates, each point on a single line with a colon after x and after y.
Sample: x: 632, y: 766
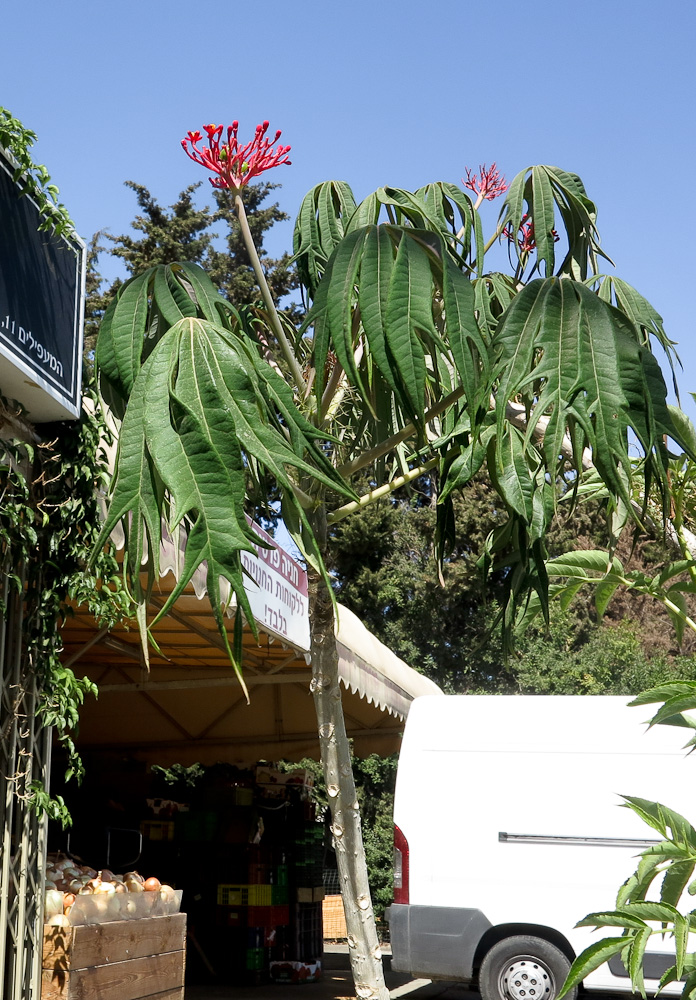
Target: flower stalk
x: 267, y: 296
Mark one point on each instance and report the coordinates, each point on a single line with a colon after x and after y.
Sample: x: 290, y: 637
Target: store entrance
x: 243, y: 843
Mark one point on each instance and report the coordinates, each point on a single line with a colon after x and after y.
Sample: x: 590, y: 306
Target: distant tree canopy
x: 385, y: 572
x: 185, y: 231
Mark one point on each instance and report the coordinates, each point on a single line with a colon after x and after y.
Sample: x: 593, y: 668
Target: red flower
x: 235, y: 165
x: 491, y: 184
x: 525, y: 235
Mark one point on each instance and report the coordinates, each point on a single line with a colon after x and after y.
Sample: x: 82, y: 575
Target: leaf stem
x: 381, y: 491
x: 285, y: 347
x: 367, y: 457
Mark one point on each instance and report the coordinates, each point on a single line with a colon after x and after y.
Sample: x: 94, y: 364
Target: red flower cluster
x: 525, y: 235
x: 491, y: 184
x: 235, y: 165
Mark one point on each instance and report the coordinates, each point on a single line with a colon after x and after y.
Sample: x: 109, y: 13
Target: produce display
x: 77, y: 894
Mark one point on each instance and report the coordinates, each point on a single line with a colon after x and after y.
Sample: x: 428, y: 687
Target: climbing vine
x: 49, y: 520
x: 50, y: 484
x: 17, y: 140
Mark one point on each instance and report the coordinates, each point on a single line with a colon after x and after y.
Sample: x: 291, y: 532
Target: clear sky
x: 377, y: 92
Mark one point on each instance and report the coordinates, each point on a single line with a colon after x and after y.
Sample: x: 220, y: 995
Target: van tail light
x: 401, y: 867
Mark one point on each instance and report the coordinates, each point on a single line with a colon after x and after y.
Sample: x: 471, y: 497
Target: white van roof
x: 585, y: 724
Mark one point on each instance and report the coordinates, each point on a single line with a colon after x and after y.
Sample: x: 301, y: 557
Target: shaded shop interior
x: 181, y: 780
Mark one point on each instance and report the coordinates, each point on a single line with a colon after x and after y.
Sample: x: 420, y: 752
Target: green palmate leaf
x: 649, y: 812
x: 508, y: 464
x: 665, y: 692
x: 455, y: 214
x: 603, y: 594
x: 468, y: 349
x: 578, y: 562
x: 662, y: 912
x: 613, y: 918
x: 409, y: 313
x: 122, y: 334
x: 378, y: 266
x: 202, y: 408
x: 568, y: 357
x: 332, y: 314
x: 410, y: 208
x: 459, y: 468
x: 535, y: 195
x: 675, y: 881
x: 671, y: 824
x: 172, y: 301
x: 635, y: 959
x: 591, y: 959
x: 675, y: 706
x: 366, y: 214
x: 635, y: 888
x: 493, y: 294
x: 240, y: 394
x: 143, y: 310
x: 205, y: 294
x: 637, y: 309
x: 400, y: 291
x: 543, y: 218
x: 320, y: 226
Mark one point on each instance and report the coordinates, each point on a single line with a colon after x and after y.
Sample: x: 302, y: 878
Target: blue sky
x: 374, y: 93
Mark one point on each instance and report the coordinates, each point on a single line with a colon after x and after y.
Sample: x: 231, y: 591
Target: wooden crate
x: 122, y: 960
x: 334, y: 919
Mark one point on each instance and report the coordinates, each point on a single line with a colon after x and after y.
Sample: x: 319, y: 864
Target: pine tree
x: 184, y: 231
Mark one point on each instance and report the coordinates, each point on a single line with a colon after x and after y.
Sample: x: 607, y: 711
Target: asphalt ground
x: 336, y: 983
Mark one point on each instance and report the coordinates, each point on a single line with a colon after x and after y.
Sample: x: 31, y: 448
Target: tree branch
x: 367, y: 457
x: 273, y: 316
x: 381, y: 491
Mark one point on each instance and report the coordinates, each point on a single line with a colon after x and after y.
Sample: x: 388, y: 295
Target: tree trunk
x: 364, y: 949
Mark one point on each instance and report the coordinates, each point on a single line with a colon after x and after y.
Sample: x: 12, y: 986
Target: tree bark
x: 364, y: 949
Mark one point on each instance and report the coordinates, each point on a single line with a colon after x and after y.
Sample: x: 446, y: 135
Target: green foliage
x: 51, y: 806
x: 49, y: 520
x: 194, y: 446
x: 671, y: 862
x: 601, y: 659
x: 185, y: 231
x: 385, y: 568
x: 375, y: 777
x: 178, y: 777
x: 36, y: 181
x: 411, y: 357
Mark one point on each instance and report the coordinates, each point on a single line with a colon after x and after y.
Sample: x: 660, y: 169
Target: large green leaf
x: 534, y: 196
x: 635, y: 307
x: 320, y: 226
x: 454, y: 213
x: 122, y: 337
x: 202, y: 408
x: 568, y: 357
x: 400, y: 289
x: 409, y: 314
x: 590, y: 959
x: 378, y: 266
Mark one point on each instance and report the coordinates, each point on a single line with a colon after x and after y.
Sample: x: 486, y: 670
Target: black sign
x: 41, y: 308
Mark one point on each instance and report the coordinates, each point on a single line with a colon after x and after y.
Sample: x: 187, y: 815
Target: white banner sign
x: 277, y: 591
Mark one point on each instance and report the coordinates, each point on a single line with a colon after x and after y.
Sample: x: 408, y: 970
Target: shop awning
x: 190, y: 707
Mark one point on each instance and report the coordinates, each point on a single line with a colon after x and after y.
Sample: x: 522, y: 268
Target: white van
x: 509, y: 829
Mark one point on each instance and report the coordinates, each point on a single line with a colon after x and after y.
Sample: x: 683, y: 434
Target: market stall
x: 240, y: 839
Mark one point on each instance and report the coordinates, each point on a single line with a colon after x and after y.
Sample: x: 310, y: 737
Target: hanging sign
x: 277, y: 590
x: 42, y: 280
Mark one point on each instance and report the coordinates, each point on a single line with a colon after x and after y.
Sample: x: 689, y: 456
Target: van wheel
x: 524, y: 968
